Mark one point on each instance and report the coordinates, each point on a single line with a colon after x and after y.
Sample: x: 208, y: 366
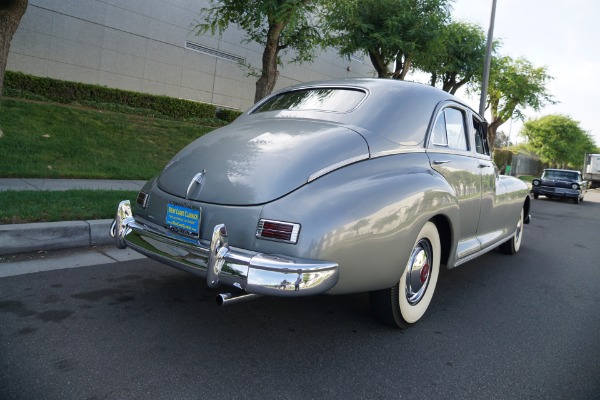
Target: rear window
x: 333, y: 100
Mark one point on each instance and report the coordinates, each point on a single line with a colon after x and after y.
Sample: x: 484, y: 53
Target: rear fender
x: 365, y: 217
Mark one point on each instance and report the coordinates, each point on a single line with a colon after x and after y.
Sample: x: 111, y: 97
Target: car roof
x: 394, y: 114
x: 561, y: 170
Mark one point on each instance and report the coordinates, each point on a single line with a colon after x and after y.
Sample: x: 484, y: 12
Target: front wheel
x: 513, y: 245
x: 406, y: 302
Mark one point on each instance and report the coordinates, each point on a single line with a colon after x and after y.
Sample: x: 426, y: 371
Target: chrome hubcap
x: 418, y: 271
x: 519, y: 228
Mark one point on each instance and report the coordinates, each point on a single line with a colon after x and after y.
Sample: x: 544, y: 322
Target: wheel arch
x: 444, y: 227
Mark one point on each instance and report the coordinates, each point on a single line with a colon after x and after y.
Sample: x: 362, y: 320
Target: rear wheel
x: 513, y: 245
x: 406, y: 302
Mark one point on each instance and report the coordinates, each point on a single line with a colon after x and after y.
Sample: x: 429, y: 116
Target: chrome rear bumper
x: 264, y: 274
x: 556, y: 192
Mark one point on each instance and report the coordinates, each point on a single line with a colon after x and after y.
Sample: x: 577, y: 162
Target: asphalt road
x: 500, y: 327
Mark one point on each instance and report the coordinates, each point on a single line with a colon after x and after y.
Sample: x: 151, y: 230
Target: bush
x: 22, y: 85
x: 502, y: 158
x: 228, y: 115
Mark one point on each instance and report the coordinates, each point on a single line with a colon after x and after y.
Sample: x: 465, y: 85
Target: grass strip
x: 72, y: 205
x: 44, y: 140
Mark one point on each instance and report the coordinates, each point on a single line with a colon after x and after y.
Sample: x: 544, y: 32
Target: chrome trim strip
x: 219, y: 263
x: 482, y: 251
x: 396, y: 152
x: 337, y: 165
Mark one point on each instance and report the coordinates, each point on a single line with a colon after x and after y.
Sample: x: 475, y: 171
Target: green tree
x: 515, y: 85
x: 558, y: 140
x: 392, y: 32
x: 456, y: 56
x: 11, y: 12
x: 278, y: 25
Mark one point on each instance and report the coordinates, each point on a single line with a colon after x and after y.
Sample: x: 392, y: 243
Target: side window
x: 439, y: 131
x: 455, y: 129
x: 481, y: 145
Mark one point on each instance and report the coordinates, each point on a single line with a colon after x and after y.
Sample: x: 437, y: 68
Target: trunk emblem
x: 198, y: 179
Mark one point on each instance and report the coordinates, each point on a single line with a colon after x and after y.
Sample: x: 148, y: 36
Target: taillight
x: 278, y: 230
x: 142, y: 199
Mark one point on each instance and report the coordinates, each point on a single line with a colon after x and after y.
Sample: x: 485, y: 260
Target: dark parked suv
x: 560, y: 183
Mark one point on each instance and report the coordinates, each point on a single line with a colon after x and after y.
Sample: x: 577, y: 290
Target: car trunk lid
x: 259, y: 161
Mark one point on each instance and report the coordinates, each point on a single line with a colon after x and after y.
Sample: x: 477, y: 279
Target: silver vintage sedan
x: 363, y: 185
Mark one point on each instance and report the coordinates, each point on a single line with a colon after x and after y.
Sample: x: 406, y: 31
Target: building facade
x: 151, y: 46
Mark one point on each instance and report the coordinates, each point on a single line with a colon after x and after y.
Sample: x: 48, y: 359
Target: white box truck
x: 591, y: 170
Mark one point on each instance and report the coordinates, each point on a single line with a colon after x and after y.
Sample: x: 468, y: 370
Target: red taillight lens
x: 277, y: 230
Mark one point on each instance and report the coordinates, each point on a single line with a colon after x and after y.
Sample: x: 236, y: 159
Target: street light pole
x: 487, y: 62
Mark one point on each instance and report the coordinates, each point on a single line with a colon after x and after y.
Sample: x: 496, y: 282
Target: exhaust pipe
x: 227, y: 299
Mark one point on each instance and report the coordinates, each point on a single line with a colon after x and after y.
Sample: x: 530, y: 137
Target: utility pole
x: 487, y: 62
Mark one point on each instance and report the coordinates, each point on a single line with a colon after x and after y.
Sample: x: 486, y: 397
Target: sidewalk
x: 25, y: 238
x: 68, y: 184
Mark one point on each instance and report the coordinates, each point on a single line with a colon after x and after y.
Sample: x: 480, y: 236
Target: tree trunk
x: 11, y: 12
x: 458, y: 85
x: 403, y: 63
x: 492, y: 129
x: 379, y: 64
x: 433, y: 79
x: 268, y: 77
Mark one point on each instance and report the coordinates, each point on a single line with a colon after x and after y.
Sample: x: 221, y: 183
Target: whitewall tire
x: 406, y: 302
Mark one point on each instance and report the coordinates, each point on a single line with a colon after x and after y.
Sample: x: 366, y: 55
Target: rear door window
x: 449, y: 130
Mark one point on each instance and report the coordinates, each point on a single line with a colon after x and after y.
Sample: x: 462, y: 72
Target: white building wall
x: 139, y: 45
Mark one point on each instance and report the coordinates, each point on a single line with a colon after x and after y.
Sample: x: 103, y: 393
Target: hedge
x: 227, y: 115
x: 17, y: 83
x: 502, y: 158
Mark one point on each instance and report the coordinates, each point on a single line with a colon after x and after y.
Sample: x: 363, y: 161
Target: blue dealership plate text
x: 183, y: 219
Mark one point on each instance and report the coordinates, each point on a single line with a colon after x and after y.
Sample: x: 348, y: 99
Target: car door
x: 493, y: 215
x: 450, y: 153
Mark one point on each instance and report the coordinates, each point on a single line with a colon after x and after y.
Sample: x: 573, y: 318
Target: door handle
x: 438, y: 162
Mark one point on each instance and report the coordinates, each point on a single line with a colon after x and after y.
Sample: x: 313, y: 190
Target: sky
x: 562, y: 35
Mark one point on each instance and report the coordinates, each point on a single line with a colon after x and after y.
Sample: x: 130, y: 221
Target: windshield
x: 322, y: 99
x: 561, y: 175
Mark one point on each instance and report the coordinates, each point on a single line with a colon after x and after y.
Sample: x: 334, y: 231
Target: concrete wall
x: 140, y: 45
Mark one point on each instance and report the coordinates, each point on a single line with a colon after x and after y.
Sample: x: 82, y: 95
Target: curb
x: 41, y: 236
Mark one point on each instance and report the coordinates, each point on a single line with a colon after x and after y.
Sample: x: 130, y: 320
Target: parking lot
x: 500, y: 327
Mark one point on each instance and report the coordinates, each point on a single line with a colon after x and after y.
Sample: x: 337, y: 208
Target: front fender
x: 366, y: 218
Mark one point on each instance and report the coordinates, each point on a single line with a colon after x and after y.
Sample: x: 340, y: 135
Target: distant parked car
x: 560, y: 183
x: 365, y: 185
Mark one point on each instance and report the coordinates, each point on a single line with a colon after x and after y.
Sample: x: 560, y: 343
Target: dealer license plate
x: 184, y: 219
